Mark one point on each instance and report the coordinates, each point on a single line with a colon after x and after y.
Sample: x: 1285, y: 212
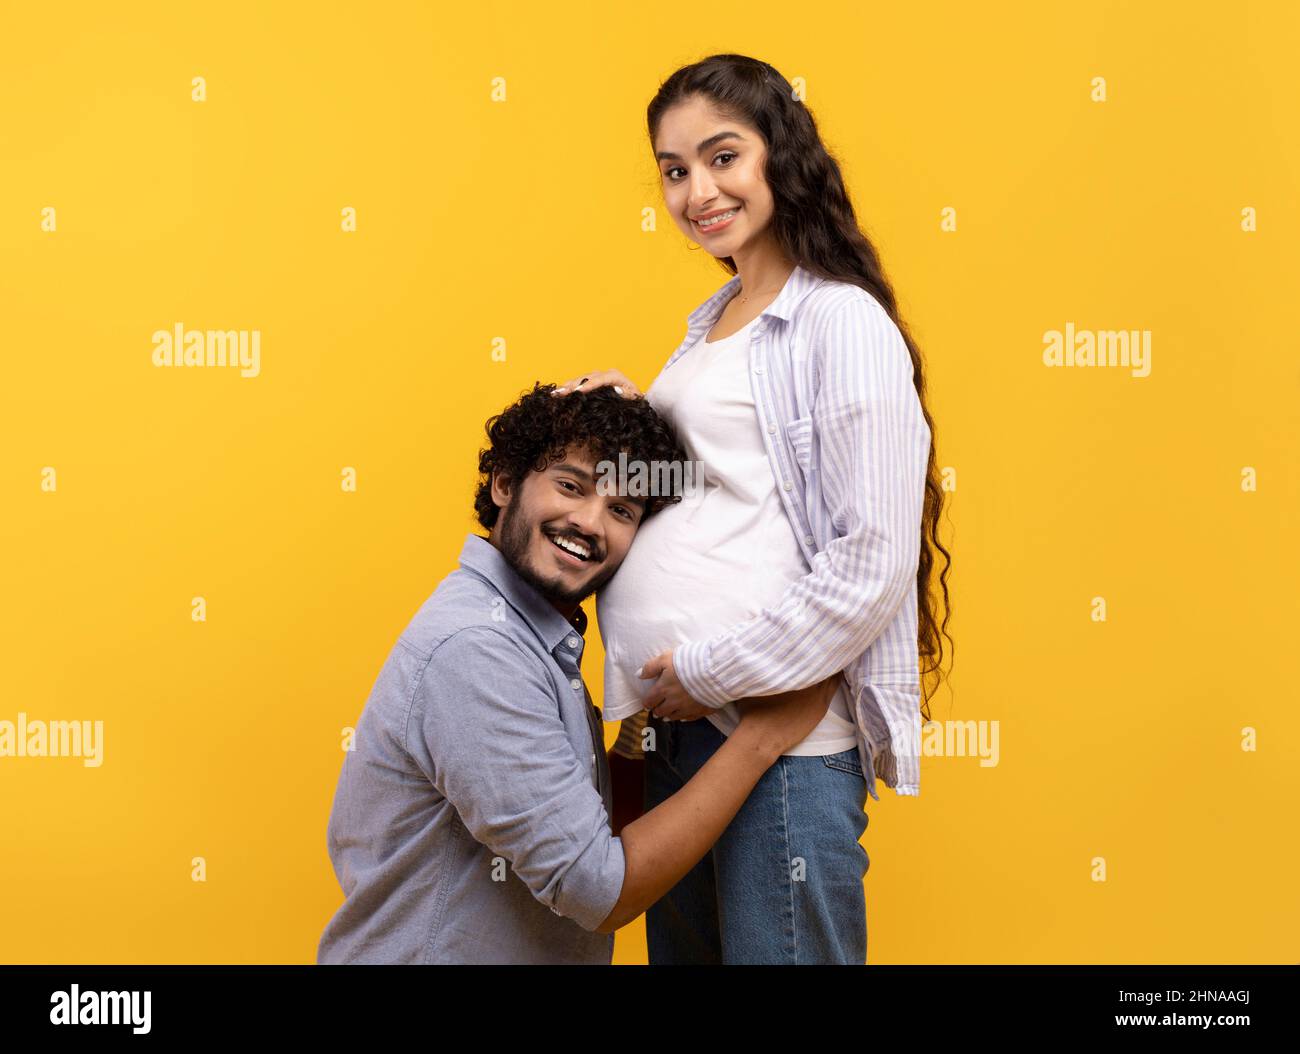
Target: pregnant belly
x: 660, y: 599
x: 688, y: 578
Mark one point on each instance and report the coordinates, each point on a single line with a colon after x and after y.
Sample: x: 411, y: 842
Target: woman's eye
x: 731, y: 155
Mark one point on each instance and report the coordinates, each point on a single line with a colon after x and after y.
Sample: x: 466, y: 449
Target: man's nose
x: 585, y: 521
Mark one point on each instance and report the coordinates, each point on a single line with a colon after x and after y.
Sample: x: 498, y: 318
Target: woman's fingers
x: 600, y: 379
x: 676, y: 710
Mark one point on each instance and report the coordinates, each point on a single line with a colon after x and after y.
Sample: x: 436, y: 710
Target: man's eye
x: 626, y: 511
x: 566, y: 483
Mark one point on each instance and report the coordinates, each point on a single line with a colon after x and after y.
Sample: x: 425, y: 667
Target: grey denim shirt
x: 471, y: 819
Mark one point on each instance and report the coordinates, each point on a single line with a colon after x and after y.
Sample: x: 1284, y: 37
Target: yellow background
x: 522, y: 220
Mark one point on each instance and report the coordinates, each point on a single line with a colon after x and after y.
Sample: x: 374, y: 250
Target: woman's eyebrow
x: 668, y: 155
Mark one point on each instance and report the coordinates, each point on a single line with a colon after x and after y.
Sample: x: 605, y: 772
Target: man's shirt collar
x: 553, y: 629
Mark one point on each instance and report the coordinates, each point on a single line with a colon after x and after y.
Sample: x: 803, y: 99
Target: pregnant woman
x: 801, y: 552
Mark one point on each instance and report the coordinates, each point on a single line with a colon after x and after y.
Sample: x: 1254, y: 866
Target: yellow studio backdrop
x: 1125, y: 572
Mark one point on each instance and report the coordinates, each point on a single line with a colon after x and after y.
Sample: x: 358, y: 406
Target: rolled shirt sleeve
x: 500, y: 755
x: 875, y: 448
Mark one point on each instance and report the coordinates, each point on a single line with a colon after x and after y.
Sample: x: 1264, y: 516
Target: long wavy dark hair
x: 814, y: 223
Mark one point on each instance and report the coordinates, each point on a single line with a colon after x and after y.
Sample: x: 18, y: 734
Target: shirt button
x: 575, y: 684
x: 758, y: 369
x: 808, y: 538
x: 787, y: 484
x: 771, y: 430
x: 573, y: 642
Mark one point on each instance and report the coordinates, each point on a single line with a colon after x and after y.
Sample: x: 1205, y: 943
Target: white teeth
x: 571, y: 547
x: 717, y: 219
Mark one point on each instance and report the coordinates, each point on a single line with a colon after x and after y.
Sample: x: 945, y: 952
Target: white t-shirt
x: 716, y: 558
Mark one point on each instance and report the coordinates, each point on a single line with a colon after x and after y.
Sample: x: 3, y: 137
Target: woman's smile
x: 713, y: 223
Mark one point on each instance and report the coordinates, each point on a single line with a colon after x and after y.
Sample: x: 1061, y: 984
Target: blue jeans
x: 784, y: 882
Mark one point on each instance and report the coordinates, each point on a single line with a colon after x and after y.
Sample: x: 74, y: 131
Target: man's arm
x: 500, y: 754
x: 665, y: 843
x: 875, y: 448
x: 523, y: 793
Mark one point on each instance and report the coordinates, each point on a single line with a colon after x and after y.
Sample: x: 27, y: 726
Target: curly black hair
x: 536, y: 431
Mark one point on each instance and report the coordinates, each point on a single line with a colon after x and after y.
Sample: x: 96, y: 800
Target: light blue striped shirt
x: 849, y: 447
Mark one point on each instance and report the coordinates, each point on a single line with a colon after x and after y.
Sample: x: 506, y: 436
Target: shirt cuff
x: 691, y: 663
x: 593, y: 884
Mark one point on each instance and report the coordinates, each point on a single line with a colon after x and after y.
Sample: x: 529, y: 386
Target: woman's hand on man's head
x: 599, y: 379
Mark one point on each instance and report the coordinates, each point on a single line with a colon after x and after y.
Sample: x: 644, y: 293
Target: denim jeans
x: 784, y: 882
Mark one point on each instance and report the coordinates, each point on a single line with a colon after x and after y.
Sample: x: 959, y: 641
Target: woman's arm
x: 875, y: 449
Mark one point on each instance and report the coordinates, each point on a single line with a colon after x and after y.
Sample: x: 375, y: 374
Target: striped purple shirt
x: 843, y: 428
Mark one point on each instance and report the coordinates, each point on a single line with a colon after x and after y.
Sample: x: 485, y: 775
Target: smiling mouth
x: 571, y: 558
x: 716, y: 219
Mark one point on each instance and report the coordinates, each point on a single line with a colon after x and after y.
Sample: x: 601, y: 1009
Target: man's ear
x: 501, y: 487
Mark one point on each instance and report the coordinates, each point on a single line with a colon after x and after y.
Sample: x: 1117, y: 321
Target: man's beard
x: 516, y: 535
